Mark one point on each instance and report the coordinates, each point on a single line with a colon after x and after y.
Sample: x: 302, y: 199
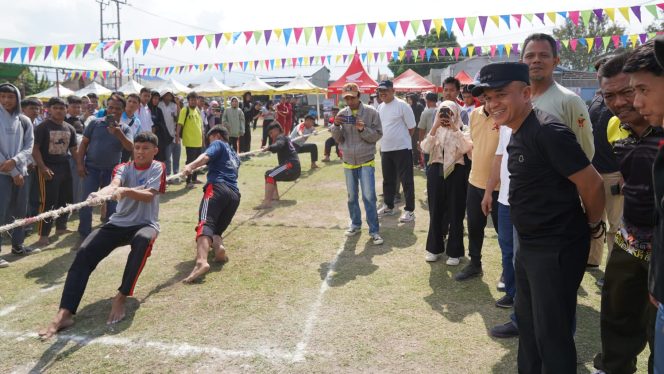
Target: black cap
x: 385, y: 85
x: 500, y: 74
x: 274, y: 125
x: 659, y: 50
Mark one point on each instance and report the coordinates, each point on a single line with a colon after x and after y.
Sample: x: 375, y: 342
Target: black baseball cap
x: 659, y: 50
x: 274, y: 125
x: 500, y: 74
x: 384, y: 85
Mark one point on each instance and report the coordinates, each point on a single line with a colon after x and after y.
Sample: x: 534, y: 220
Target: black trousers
x: 547, y: 279
x: 192, y: 155
x: 442, y: 196
x: 56, y: 193
x: 627, y: 317
x: 265, y: 140
x: 398, y: 163
x: 477, y: 221
x: 329, y: 143
x: 245, y: 140
x: 312, y: 149
x: 216, y: 210
x: 414, y: 138
x: 99, y: 244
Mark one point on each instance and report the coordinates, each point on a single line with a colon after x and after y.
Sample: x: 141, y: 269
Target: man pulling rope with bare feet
x: 220, y: 200
x: 136, y: 185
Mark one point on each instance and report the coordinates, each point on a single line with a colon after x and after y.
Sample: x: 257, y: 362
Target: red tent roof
x: 464, y: 78
x: 355, y: 74
x: 410, y: 81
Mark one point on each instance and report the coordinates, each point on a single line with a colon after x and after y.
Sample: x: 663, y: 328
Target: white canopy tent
x: 174, y: 87
x: 131, y: 87
x: 95, y: 88
x: 212, y: 88
x: 256, y: 86
x: 57, y: 90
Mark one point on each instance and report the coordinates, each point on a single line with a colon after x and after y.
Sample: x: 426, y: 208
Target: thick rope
x: 99, y: 200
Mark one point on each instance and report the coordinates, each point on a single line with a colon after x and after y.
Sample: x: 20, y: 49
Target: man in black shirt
x: 289, y: 164
x: 548, y: 173
x: 627, y: 317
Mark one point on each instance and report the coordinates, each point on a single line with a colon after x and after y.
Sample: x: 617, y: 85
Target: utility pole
x: 103, y: 5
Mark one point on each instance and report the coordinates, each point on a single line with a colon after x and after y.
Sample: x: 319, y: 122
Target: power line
x: 169, y: 19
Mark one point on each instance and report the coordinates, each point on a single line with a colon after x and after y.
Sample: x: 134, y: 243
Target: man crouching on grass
x: 220, y: 199
x: 136, y: 185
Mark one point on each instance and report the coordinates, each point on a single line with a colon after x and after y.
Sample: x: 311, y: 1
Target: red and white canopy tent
x: 354, y: 74
x: 463, y: 77
x: 410, y: 81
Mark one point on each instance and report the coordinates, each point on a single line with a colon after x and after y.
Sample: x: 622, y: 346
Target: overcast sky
x: 39, y: 22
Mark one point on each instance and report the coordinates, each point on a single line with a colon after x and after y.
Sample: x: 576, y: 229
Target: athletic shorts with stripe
x: 287, y: 172
x: 219, y: 204
x: 99, y: 244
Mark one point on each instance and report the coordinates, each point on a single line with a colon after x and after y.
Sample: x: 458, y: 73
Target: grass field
x: 296, y: 296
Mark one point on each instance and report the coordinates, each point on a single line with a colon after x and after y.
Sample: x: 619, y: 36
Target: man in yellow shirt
x: 190, y: 132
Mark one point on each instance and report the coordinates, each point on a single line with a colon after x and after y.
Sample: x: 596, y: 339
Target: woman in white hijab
x: 446, y: 145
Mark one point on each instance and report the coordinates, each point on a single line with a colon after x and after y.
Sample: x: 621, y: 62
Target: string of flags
x: 353, y: 33
x: 405, y: 55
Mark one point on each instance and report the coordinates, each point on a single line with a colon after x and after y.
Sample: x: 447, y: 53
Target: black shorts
x: 217, y: 209
x: 287, y: 172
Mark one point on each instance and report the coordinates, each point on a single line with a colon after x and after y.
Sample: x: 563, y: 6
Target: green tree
x: 655, y: 27
x: 30, y: 83
x: 581, y: 59
x: 420, y: 66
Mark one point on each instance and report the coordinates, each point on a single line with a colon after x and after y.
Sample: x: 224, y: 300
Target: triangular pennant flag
x: 338, y: 58
x: 461, y: 22
x: 255, y: 64
x: 472, y: 21
x: 573, y: 43
x: 299, y: 61
x: 23, y: 52
x: 457, y: 50
x: 360, y: 31
x: 137, y: 45
x: 508, y: 49
x: 267, y: 64
x: 501, y: 50
x: 471, y: 50
x: 427, y: 25
x: 517, y: 18
x: 633, y: 38
x: 611, y: 12
x: 449, y: 22
x: 381, y: 28
x: 402, y: 54
x: 208, y: 39
x: 191, y: 39
x: 372, y: 28
x: 128, y: 44
x: 506, y: 18
x: 339, y: 30
x: 345, y: 57
x: 552, y: 17
x: 363, y: 57
x: 585, y: 15
x: 574, y: 16
x: 319, y: 32
x: 464, y: 51
x: 47, y: 51
x: 61, y: 49
x: 590, y: 42
x: 155, y: 43
x: 421, y: 53
x: 298, y: 34
x: 322, y: 60
x: 350, y: 30
x: 77, y: 50
x: 38, y: 51
x: 230, y: 66
x: 287, y: 35
x: 492, y: 50
x: 625, y: 12
x: 529, y: 17
x: 483, y: 20
x: 438, y: 24
x: 563, y: 14
x: 268, y: 34
x: 496, y: 20
x: 428, y: 53
x: 653, y: 10
x: 435, y: 52
x: 248, y: 35
x: 404, y: 27
x: 450, y: 51
x: 307, y: 34
x: 660, y: 6
x: 565, y: 42
x: 637, y: 11
x: 31, y: 53
x: 415, y: 25
x: 278, y: 32
x: 271, y: 64
x: 616, y: 41
x: 652, y: 35
x: 624, y: 39
x: 599, y: 42
x: 393, y: 27
x: 311, y: 60
x: 605, y: 42
x: 478, y: 50
x: 599, y: 13
x: 257, y: 36
x: 540, y: 16
x: 328, y: 32
x: 583, y: 42
x: 145, y: 43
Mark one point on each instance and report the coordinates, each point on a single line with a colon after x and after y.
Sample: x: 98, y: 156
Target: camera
x: 615, y: 189
x: 445, y: 113
x: 110, y: 120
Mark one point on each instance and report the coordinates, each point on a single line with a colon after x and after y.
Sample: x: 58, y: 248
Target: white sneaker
x: 431, y: 257
x: 453, y: 261
x: 3, y: 263
x: 407, y: 216
x: 385, y: 211
x: 377, y: 240
x: 352, y: 231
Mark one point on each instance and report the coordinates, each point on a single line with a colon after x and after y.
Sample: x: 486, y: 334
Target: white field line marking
x: 312, y: 317
x: 171, y: 349
x: 11, y: 308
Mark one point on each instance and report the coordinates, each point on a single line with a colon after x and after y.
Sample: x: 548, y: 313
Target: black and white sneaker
x: 505, y: 302
x: 23, y: 250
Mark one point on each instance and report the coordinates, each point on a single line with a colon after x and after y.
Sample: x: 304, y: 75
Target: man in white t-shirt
x: 144, y: 114
x: 398, y: 122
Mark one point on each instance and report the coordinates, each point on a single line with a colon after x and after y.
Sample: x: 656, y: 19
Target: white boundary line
x: 11, y: 308
x: 312, y: 317
x: 171, y: 349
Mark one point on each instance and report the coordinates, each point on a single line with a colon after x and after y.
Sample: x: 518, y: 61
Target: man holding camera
x: 100, y: 150
x: 356, y: 129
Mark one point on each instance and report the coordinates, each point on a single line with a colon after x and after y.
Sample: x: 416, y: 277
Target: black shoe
x: 505, y: 302
x: 600, y: 282
x: 470, y: 271
x: 22, y: 250
x: 592, y: 267
x: 507, y: 330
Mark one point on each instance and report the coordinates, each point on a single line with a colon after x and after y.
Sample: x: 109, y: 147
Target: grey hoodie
x: 16, y: 137
x: 358, y: 147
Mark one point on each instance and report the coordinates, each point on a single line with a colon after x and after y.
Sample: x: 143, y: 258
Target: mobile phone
x: 445, y: 113
x: 615, y: 189
x: 349, y: 120
x: 110, y: 120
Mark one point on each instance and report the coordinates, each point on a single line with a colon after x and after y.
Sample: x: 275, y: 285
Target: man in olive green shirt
x: 233, y: 120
